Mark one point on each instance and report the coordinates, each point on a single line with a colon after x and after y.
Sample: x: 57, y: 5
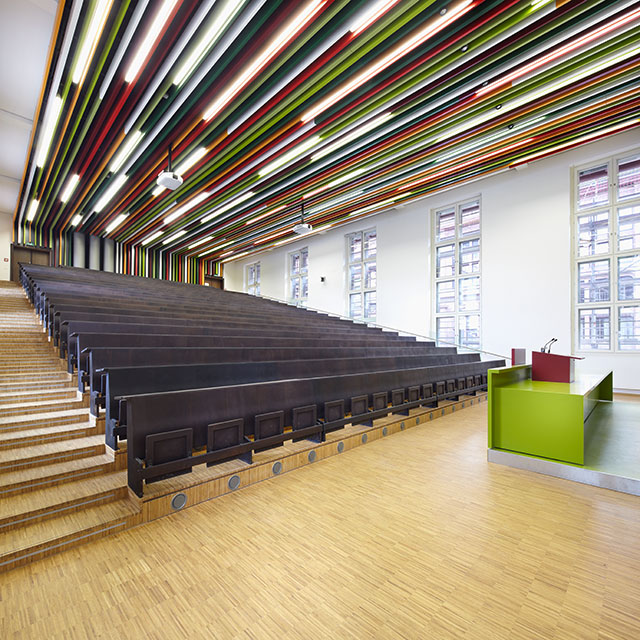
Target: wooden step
x: 42, y: 406
x: 16, y: 387
x: 43, y: 454
x: 29, y: 437
x: 32, y: 395
x: 35, y: 478
x: 21, y: 546
x: 54, y: 418
x: 34, y: 506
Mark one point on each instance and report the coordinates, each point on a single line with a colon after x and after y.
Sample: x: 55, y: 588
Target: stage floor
x: 612, y: 455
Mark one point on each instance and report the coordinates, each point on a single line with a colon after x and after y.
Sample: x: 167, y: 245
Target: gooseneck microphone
x: 546, y: 348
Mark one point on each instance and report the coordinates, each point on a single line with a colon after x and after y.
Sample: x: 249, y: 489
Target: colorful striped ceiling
x: 348, y: 106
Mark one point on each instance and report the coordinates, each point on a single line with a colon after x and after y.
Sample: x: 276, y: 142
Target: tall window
x: 299, y: 276
x: 362, y: 274
x: 606, y: 208
x: 456, y: 282
x: 253, y: 279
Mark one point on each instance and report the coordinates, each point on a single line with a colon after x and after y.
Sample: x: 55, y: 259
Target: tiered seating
x: 183, y: 369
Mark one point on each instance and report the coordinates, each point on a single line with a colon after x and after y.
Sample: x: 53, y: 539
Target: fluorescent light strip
x: 118, y: 220
x: 345, y: 139
x: 299, y: 21
x: 377, y: 205
x: 229, y: 205
x: 290, y: 155
x: 272, y: 237
x: 186, y: 207
x: 371, y: 16
x: 70, y: 188
x: 560, y: 51
x: 175, y: 236
x: 149, y: 40
x: 335, y: 183
x: 197, y: 155
x: 537, y: 4
x: 52, y: 121
x: 125, y: 151
x: 288, y: 79
x: 33, y: 208
x: 214, y: 249
x: 197, y: 244
x: 575, y: 141
x: 151, y: 238
x: 472, y: 161
x: 111, y: 191
x: 265, y: 215
x: 76, y: 220
x: 228, y: 12
x: 395, y: 54
x: 240, y: 255
x: 98, y: 18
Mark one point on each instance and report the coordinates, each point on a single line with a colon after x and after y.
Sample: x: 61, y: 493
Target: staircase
x: 59, y: 485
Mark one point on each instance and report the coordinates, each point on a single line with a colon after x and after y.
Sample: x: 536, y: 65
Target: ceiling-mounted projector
x: 302, y: 227
x: 168, y: 179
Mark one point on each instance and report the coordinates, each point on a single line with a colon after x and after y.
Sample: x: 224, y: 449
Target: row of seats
x: 162, y: 357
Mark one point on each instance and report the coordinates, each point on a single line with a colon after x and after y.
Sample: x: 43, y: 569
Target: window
x: 299, y: 277
x: 456, y: 284
x: 253, y: 279
x: 362, y: 274
x: 606, y: 297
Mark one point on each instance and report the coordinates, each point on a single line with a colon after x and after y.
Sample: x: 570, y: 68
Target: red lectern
x: 550, y: 367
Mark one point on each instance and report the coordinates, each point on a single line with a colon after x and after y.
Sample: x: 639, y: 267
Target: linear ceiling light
x: 580, y: 140
x: 216, y: 248
x: 290, y: 31
x: 368, y: 18
x: 90, y: 41
x: 52, y: 121
x: 125, y: 151
x: 175, y: 236
x: 70, y: 188
x: 149, y: 40
x: 117, y: 221
x: 229, y: 205
x: 377, y: 205
x: 290, y: 155
x: 560, y: 51
x: 356, y: 133
x: 151, y: 238
x: 221, y: 22
x: 111, y: 191
x: 394, y: 55
x: 33, y: 207
x: 265, y: 215
x: 186, y: 207
x: 76, y: 220
x: 197, y: 244
x: 240, y: 255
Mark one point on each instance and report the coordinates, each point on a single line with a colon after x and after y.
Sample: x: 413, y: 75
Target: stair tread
x: 7, y: 395
x: 39, y: 533
x: 38, y: 450
x: 25, y: 434
x: 33, y: 474
x: 49, y: 497
x: 21, y: 419
x: 25, y: 406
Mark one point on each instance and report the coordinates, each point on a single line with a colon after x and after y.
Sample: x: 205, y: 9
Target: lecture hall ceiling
x: 351, y: 107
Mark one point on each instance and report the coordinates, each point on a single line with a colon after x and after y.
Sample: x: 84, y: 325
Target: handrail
x: 382, y: 326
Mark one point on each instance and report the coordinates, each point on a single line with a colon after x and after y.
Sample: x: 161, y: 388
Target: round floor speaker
x: 178, y: 501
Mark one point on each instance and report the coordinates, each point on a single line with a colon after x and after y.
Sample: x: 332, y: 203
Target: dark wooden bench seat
x: 165, y: 415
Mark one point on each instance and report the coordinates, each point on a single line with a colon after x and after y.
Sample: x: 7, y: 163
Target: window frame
x: 300, y: 301
x: 252, y: 289
x: 612, y: 255
x: 363, y: 290
x: 457, y: 239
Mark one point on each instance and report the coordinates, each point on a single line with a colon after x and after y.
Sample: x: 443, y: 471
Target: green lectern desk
x: 543, y: 419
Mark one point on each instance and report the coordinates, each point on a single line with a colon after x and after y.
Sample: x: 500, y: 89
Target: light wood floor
x: 414, y: 536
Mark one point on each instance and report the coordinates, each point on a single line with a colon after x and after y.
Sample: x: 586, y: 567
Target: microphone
x: 546, y: 348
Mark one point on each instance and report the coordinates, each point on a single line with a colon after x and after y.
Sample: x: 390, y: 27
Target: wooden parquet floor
x: 414, y: 536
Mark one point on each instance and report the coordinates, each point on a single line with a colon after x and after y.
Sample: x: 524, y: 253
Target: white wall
x: 6, y: 225
x: 526, y: 260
